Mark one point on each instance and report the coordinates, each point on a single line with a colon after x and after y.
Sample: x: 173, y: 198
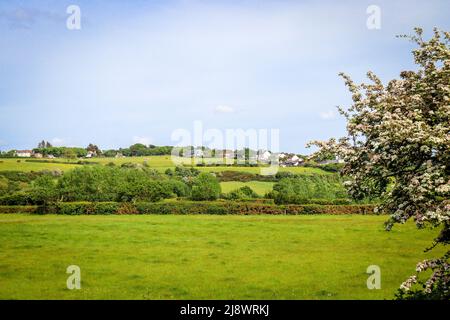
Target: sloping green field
x: 160, y: 163
x: 205, y: 257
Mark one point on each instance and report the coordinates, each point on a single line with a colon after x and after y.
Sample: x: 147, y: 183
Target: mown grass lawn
x: 205, y: 257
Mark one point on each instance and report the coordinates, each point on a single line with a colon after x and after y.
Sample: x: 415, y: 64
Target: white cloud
x: 327, y: 115
x: 144, y: 140
x: 224, y: 109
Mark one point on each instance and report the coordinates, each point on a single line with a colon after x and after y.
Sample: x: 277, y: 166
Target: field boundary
x: 188, y: 207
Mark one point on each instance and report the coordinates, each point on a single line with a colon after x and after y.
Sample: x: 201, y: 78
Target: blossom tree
x: 397, y: 150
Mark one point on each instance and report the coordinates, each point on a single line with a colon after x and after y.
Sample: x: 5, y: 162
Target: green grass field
x: 260, y: 187
x: 160, y: 163
x: 205, y: 257
x: 14, y: 165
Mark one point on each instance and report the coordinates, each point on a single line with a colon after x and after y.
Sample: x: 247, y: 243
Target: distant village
x: 46, y: 150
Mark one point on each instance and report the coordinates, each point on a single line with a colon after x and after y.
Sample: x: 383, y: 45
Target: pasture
x: 260, y: 187
x: 160, y: 163
x: 205, y: 257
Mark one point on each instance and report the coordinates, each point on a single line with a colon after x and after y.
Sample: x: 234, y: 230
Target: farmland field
x: 260, y: 187
x: 205, y: 257
x: 160, y: 163
x: 14, y: 165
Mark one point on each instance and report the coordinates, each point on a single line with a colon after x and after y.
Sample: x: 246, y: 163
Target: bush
x: 18, y: 198
x: 79, y: 208
x: 205, y: 187
x: 244, y: 192
x: 188, y: 207
x: 300, y: 189
x: 43, y: 190
x: 18, y: 209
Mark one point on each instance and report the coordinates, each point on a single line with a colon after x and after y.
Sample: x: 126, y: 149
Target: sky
x: 137, y: 71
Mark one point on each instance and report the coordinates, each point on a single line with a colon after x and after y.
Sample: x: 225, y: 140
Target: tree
x: 44, y: 144
x: 94, y: 149
x: 43, y: 190
x: 397, y: 148
x: 69, y: 153
x: 205, y: 187
x: 41, y: 144
x: 138, y: 149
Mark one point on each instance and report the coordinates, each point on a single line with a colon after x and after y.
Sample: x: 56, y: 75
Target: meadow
x: 205, y: 257
x: 260, y: 187
x: 160, y: 163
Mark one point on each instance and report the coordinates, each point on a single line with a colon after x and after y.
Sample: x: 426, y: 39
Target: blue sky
x: 138, y: 70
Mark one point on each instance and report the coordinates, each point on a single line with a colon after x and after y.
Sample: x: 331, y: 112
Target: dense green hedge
x: 187, y: 207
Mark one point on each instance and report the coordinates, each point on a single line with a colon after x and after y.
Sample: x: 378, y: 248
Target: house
x: 228, y: 154
x: 37, y: 155
x: 198, y: 153
x: 291, y: 160
x: 90, y: 154
x: 264, y: 155
x: 50, y: 156
x: 23, y: 153
x: 119, y: 155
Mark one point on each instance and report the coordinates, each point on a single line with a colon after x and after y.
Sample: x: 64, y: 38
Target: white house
x: 90, y: 154
x: 228, y: 154
x: 23, y: 153
x: 291, y: 160
x: 264, y: 155
x: 198, y: 153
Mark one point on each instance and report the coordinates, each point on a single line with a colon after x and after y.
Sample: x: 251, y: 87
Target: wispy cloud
x: 224, y: 109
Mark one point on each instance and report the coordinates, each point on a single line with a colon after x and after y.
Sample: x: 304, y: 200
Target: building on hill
x: 291, y: 160
x: 91, y: 154
x: 23, y: 153
x: 264, y: 155
x: 228, y: 154
x: 198, y: 153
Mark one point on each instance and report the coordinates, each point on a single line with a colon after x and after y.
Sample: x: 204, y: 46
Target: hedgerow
x: 187, y: 207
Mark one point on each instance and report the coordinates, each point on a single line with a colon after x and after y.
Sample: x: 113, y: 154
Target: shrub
x: 244, y: 192
x: 43, y: 190
x: 301, y: 188
x: 127, y: 208
x: 205, y: 187
x: 18, y: 209
x: 188, y: 207
x: 18, y: 198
